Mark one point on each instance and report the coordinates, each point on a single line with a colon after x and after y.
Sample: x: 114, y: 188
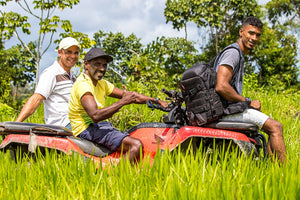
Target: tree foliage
x: 160, y: 63
x: 20, y: 65
x: 284, y: 12
x: 274, y: 60
x: 220, y: 17
x: 173, y: 55
x: 22, y: 61
x: 13, y: 24
x: 19, y: 68
x: 120, y: 48
x: 276, y: 57
x: 285, y: 15
x: 146, y: 69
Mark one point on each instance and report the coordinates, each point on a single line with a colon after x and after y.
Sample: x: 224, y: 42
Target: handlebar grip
x: 169, y: 93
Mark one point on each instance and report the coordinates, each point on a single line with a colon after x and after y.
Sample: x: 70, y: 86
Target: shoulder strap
x: 216, y: 59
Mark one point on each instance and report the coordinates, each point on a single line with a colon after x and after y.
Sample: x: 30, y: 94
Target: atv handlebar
x: 175, y: 97
x: 176, y: 113
x: 153, y: 106
x: 170, y: 93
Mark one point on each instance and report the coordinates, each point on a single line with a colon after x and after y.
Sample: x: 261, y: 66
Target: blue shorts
x: 104, y: 133
x: 69, y: 126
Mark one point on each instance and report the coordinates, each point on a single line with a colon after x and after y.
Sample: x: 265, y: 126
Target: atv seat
x: 52, y: 130
x: 39, y: 129
x: 233, y: 126
x: 90, y: 148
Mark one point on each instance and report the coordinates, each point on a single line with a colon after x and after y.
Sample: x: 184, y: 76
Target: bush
x: 5, y: 109
x: 6, y: 112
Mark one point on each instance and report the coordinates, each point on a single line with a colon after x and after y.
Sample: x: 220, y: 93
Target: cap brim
x: 107, y: 57
x: 66, y: 47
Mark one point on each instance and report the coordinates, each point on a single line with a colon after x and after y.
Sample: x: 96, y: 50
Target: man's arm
x: 126, y: 97
x: 224, y: 88
x: 89, y: 104
x: 139, y: 98
x: 30, y: 106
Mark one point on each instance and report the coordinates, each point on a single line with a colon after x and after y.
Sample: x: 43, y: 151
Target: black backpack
x: 203, y: 103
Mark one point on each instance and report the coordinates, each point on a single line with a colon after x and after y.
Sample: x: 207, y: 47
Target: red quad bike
x: 156, y: 136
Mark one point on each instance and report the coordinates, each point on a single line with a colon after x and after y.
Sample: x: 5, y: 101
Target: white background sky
x: 144, y: 18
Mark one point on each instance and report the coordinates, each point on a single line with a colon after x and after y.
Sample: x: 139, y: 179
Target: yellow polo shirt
x: 78, y: 117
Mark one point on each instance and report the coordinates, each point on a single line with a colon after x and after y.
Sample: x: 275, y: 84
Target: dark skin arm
x: 139, y: 98
x: 126, y: 97
x: 224, y: 88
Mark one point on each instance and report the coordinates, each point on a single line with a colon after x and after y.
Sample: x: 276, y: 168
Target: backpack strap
x: 215, y: 60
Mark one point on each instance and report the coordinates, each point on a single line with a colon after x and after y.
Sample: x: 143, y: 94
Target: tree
x: 273, y: 60
x: 220, y: 17
x: 5, y: 87
x: 147, y: 77
x: 42, y: 11
x: 19, y: 68
x: 284, y: 12
x: 20, y: 65
x: 174, y: 55
x: 275, y: 57
x: 146, y: 69
x: 120, y: 47
x: 161, y: 64
x: 21, y: 62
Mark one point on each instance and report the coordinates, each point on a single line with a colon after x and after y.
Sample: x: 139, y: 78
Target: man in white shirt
x: 54, y: 86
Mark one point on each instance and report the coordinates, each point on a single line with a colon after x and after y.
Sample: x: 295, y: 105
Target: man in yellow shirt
x: 87, y: 111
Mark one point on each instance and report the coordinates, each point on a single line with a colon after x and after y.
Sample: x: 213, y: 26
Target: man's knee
x: 272, y: 126
x: 136, y: 145
x: 132, y: 144
x: 278, y: 125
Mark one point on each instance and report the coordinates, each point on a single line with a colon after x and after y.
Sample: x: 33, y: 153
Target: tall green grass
x: 173, y: 176
x: 10, y: 114
x: 176, y: 175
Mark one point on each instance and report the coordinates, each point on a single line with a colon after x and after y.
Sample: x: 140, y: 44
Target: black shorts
x: 105, y: 134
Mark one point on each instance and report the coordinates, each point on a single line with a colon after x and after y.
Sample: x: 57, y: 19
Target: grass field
x: 173, y: 176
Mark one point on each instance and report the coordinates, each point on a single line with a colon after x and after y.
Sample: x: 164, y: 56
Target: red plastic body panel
x: 153, y: 139
x: 167, y: 138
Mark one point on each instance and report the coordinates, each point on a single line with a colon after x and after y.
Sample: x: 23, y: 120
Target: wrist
x: 157, y: 100
x: 248, y: 100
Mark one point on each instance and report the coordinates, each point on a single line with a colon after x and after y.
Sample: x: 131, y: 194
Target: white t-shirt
x: 55, y: 84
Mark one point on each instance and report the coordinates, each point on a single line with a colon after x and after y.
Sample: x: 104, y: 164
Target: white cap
x: 68, y: 42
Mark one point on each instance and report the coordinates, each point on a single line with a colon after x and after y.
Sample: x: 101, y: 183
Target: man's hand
x: 128, y: 97
x: 255, y: 104
x: 163, y: 103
